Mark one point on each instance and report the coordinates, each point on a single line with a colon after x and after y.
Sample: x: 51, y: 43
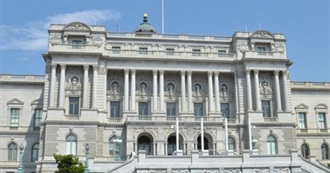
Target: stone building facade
x: 103, y: 86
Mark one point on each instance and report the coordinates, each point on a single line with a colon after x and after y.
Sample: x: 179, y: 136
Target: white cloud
x: 34, y: 36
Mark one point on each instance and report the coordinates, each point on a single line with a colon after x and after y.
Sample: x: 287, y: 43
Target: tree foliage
x: 68, y: 164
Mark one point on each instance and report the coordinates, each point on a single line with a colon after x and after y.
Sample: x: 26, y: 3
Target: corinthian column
x: 62, y: 82
x: 95, y: 67
x: 248, y: 90
x: 189, y: 84
x: 161, y: 90
x: 133, y: 75
x: 52, y: 86
x: 126, y: 90
x: 183, y: 91
x: 216, y: 89
x: 85, y: 87
x: 285, y: 89
x: 278, y: 94
x: 155, y: 91
x: 211, y: 103
x: 256, y: 85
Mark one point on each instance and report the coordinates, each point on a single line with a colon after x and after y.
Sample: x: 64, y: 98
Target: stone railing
x: 22, y: 78
x: 83, y: 48
x: 264, y: 54
x: 181, y: 119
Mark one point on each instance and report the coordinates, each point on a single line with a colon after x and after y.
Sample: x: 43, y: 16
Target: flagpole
x: 226, y: 133
x: 162, y: 16
x: 202, y: 134
x: 177, y: 134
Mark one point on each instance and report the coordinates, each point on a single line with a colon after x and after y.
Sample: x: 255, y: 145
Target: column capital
x: 247, y: 71
x: 126, y: 70
x: 86, y: 67
x: 63, y: 66
x: 210, y: 73
x: 256, y: 72
x: 54, y: 65
x: 95, y: 67
x: 161, y: 71
x: 189, y: 72
x: 276, y: 72
x: 154, y: 71
x: 133, y: 71
x: 183, y: 72
x: 284, y: 72
x: 216, y: 73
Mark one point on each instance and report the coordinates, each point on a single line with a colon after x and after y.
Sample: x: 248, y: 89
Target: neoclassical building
x: 121, y: 93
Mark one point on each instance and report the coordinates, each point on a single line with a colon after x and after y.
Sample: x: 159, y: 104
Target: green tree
x: 68, y: 164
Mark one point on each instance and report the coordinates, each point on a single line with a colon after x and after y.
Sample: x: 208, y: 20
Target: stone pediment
x: 15, y: 101
x: 37, y: 102
x: 321, y: 106
x: 301, y: 106
x: 77, y: 26
x: 262, y: 34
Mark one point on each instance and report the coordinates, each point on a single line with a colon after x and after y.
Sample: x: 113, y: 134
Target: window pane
x: 12, y: 152
x: 225, y: 109
x: 302, y: 120
x: 115, y: 49
x: 35, y: 151
x: 143, y: 51
x: 221, y: 53
x: 115, y: 109
x: 74, y: 105
x: 169, y: 51
x: 37, y: 117
x: 322, y: 122
x: 325, y: 152
x: 71, y: 145
x: 143, y: 108
x: 196, y: 52
x: 14, y: 115
x: 170, y: 109
x: 265, y: 108
x: 198, y: 109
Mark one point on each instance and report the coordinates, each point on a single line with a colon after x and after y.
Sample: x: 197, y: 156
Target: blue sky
x: 305, y: 24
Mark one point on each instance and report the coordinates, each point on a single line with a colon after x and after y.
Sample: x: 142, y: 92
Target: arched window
x: 199, y: 143
x: 305, y: 151
x: 12, y: 152
x: 271, y: 145
x: 231, y: 144
x: 35, y: 152
x: 325, y: 151
x: 71, y: 144
x: 144, y: 143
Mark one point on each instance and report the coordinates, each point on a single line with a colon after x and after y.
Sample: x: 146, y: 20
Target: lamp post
x: 117, y: 142
x: 87, y: 158
x: 20, y: 166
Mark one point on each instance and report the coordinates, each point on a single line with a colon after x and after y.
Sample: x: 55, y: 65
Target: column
x: 126, y: 71
x: 211, y: 103
x: 216, y: 88
x: 161, y: 90
x: 95, y: 67
x: 105, y: 89
x: 62, y: 84
x: 248, y: 90
x: 155, y: 91
x: 183, y: 91
x: 85, y: 87
x: 256, y: 85
x: 278, y: 94
x: 52, y: 86
x: 133, y: 88
x: 285, y: 91
x: 190, y: 102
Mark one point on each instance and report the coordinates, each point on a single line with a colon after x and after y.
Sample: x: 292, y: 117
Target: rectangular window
x: 115, y: 109
x: 265, y: 108
x: 261, y: 50
x: 74, y: 105
x: 143, y: 108
x: 302, y: 120
x: 14, y: 116
x: 171, y: 109
x: 76, y: 44
x: 196, y: 52
x: 143, y: 51
x: 198, y: 109
x: 322, y: 120
x: 115, y: 49
x: 221, y: 53
x: 169, y: 51
x: 37, y: 117
x: 225, y: 110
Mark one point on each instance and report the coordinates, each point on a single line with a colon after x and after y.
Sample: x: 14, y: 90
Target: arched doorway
x: 208, y: 141
x: 171, y: 144
x: 145, y: 143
